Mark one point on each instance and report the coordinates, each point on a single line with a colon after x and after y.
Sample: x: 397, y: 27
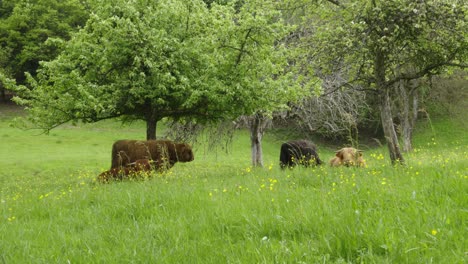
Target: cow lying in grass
x: 137, y: 169
x: 348, y: 157
x: 301, y: 152
x: 164, y: 153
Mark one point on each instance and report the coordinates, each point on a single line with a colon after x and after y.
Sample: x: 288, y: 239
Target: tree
x: 255, y: 64
x: 261, y: 64
x: 151, y: 60
x: 257, y: 124
x: 335, y: 113
x: 25, y: 31
x: 377, y: 40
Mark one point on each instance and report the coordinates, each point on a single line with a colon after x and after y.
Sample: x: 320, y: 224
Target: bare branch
x: 337, y: 3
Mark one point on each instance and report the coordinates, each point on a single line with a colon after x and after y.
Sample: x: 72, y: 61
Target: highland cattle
x: 348, y: 157
x: 164, y: 153
x: 297, y: 152
x: 131, y: 170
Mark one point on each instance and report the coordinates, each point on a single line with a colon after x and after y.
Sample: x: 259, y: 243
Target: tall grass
x: 218, y: 209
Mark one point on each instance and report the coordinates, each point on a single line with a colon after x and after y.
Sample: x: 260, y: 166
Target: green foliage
x: 448, y: 95
x: 253, y: 63
x: 5, y: 80
x: 209, y: 3
x: 410, y: 38
x: 129, y: 59
x: 26, y: 27
x: 218, y: 209
x: 154, y: 59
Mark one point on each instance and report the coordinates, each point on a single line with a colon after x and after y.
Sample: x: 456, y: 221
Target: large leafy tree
x: 383, y: 42
x: 26, y: 27
x: 258, y: 61
x: 151, y: 60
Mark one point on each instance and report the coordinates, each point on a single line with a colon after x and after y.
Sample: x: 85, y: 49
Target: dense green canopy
x: 154, y: 59
x: 25, y: 28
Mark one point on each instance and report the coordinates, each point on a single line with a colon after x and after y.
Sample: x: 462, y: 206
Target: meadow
x: 218, y: 209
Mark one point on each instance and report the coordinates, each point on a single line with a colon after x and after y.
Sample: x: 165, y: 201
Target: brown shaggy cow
x: 133, y: 169
x: 348, y: 157
x: 141, y: 165
x: 164, y: 153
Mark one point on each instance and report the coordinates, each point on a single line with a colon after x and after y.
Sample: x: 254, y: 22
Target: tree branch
x: 337, y: 3
x: 423, y: 72
x: 241, y: 51
x: 459, y: 65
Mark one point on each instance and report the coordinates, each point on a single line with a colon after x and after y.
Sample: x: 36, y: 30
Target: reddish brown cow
x: 164, y: 153
x: 131, y: 170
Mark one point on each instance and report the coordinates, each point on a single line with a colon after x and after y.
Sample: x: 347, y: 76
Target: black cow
x: 298, y: 152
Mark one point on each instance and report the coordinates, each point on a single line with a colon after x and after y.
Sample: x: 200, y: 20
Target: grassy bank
x: 218, y: 209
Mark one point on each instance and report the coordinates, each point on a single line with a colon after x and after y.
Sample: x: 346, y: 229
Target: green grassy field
x: 218, y: 209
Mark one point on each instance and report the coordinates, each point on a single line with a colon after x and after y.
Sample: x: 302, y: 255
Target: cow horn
x: 359, y: 150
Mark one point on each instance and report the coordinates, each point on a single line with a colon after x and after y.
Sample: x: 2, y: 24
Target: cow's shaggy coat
x: 348, y: 157
x: 131, y: 170
x: 164, y: 153
x: 298, y: 152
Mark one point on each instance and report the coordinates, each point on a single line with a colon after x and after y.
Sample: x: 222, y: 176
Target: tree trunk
x: 415, y: 109
x: 386, y: 109
x: 152, y: 119
x: 408, y: 95
x: 405, y: 115
x: 151, y: 125
x: 389, y: 129
x: 2, y: 93
x: 256, y: 147
x: 257, y: 125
